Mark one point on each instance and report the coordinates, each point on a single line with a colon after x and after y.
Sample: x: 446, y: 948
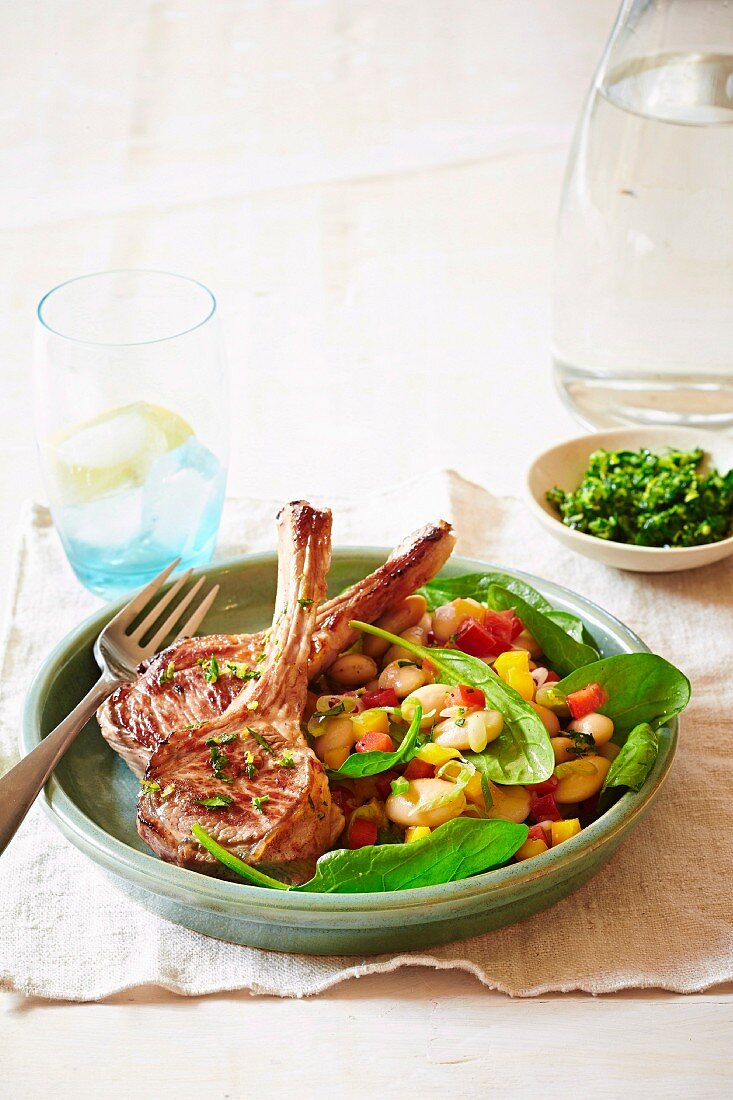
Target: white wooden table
x: 370, y: 187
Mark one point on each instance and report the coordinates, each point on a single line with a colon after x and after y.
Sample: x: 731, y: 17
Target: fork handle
x: 20, y: 787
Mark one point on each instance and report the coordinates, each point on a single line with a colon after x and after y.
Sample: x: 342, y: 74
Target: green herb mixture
x: 649, y: 500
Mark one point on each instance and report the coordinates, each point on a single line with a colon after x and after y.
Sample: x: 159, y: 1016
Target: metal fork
x: 118, y: 654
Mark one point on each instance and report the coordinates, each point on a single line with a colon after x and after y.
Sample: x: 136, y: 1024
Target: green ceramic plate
x: 91, y: 798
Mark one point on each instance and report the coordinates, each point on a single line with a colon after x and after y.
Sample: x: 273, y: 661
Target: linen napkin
x: 659, y: 915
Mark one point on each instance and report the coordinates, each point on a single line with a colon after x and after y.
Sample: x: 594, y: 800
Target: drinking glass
x: 132, y: 422
x: 643, y: 324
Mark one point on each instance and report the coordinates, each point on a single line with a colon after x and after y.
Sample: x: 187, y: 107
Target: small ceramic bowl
x: 565, y: 465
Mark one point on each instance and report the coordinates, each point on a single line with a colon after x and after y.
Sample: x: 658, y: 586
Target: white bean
x: 397, y: 653
x: 483, y: 726
x: 399, y: 618
x: 581, y: 779
x: 445, y: 623
x: 451, y: 736
x: 471, y: 731
x: 353, y: 670
x: 403, y: 679
x: 338, y: 733
x: 598, y: 726
x: 416, y: 805
x: 509, y: 803
x: 431, y: 698
x: 549, y: 719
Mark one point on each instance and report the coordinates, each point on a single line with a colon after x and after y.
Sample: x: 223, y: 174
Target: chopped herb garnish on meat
x: 148, y: 787
x: 261, y: 741
x: 261, y: 657
x: 168, y: 791
x: 286, y: 760
x: 219, y: 760
x: 242, y: 671
x: 260, y: 801
x: 194, y: 726
x: 166, y: 675
x: 460, y: 722
x: 224, y: 739
x: 305, y: 603
x: 216, y: 802
x: 210, y: 668
x: 249, y: 766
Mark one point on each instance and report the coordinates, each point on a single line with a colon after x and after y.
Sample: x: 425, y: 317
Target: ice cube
x: 113, y: 452
x: 107, y: 528
x: 182, y: 499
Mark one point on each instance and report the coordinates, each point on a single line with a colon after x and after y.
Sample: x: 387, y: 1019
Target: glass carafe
x: 643, y: 302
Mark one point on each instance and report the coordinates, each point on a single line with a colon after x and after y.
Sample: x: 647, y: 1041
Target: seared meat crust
x: 139, y: 715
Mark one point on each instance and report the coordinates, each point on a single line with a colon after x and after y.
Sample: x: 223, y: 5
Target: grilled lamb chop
x: 138, y: 716
x: 274, y: 804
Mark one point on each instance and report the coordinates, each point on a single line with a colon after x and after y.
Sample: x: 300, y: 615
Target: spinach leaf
x: 476, y: 586
x: 522, y: 752
x: 641, y: 687
x: 371, y: 763
x: 456, y: 850
x: 636, y: 759
x: 571, y: 624
x: 562, y: 651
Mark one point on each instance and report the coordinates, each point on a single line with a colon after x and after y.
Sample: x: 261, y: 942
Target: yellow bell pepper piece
x: 436, y: 754
x: 563, y: 830
x: 370, y: 721
x: 474, y: 791
x: 531, y: 847
x: 466, y: 608
x: 513, y: 668
x: 416, y: 832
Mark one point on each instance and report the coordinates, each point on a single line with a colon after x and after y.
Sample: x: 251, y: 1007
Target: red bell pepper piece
x: 477, y: 641
x: 375, y: 742
x: 361, y: 833
x: 491, y: 637
x: 380, y: 697
x: 548, y: 786
x: 545, y: 808
x: 504, y: 624
x: 463, y: 695
x: 536, y: 832
x: 419, y: 769
x: 586, y: 700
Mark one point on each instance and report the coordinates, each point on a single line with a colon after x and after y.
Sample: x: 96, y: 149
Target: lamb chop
x: 197, y: 678
x: 248, y: 776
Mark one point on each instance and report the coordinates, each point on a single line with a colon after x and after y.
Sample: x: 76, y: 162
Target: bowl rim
x: 593, y: 440
x: 243, y: 899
